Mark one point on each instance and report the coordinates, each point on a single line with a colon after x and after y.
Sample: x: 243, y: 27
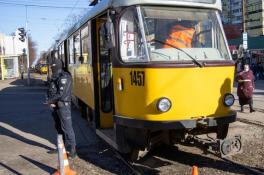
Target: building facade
x: 254, y: 17
x: 232, y: 12
x: 232, y: 16
x: 11, y: 55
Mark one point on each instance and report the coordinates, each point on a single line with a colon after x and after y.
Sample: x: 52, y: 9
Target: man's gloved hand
x: 52, y: 105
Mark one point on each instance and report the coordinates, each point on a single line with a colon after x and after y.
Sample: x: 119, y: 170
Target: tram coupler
x: 222, y: 148
x: 230, y: 146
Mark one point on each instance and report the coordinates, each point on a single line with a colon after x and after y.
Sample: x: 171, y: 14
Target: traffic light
x: 22, y: 34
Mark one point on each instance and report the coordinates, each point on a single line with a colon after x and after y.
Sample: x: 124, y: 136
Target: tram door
x: 104, y: 80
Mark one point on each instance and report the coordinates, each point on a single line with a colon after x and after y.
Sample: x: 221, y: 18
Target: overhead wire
x: 41, y: 6
x: 74, y: 7
x: 51, y: 5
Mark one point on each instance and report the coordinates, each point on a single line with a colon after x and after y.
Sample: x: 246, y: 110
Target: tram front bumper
x: 177, y: 124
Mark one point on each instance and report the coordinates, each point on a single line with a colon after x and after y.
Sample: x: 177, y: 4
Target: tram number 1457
x: 137, y: 78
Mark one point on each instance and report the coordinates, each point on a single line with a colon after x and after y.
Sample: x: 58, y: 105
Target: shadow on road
x: 10, y: 169
x: 173, y: 154
x: 23, y: 116
x: 42, y: 166
x: 13, y: 135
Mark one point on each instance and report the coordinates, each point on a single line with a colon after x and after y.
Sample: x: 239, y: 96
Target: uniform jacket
x: 52, y: 88
x: 245, y: 88
x: 63, y: 84
x: 180, y: 37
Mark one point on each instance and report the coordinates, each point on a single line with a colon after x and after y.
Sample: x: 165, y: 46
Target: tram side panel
x: 83, y: 83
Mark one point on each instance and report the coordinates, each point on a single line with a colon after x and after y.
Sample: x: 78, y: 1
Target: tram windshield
x: 171, y: 34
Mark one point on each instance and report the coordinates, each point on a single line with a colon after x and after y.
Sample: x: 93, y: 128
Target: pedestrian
x: 22, y: 72
x: 238, y: 67
x: 245, y: 88
x: 59, y: 99
x: 259, y: 71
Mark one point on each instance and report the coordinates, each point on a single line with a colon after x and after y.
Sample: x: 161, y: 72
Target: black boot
x: 251, y: 108
x: 241, y: 109
x: 71, y: 152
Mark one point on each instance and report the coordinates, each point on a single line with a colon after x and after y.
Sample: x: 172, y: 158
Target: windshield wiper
x: 165, y: 56
x: 193, y: 59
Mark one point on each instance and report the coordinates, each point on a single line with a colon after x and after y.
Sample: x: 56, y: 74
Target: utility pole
x: 245, y: 35
x: 244, y: 14
x: 28, y: 66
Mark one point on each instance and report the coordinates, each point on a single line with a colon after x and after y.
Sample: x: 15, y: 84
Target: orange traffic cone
x: 64, y: 167
x: 195, y: 170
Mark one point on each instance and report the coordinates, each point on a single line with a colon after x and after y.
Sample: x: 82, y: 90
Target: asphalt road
x: 27, y: 133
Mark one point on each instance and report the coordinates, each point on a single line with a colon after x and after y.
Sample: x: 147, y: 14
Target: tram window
x: 70, y: 49
x: 172, y: 34
x: 62, y: 53
x: 59, y: 55
x: 86, y: 44
x: 131, y: 42
x: 77, y: 48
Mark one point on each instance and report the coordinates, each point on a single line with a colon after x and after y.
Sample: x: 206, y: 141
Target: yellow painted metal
x: 82, y: 75
x: 194, y: 92
x: 44, y: 69
x: 83, y: 86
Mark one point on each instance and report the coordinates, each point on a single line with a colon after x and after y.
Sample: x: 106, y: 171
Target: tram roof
x: 105, y: 4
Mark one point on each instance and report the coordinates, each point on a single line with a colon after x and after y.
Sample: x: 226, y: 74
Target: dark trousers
x: 63, y: 123
x: 243, y: 101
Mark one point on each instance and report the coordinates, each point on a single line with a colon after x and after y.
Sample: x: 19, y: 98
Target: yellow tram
x: 134, y: 87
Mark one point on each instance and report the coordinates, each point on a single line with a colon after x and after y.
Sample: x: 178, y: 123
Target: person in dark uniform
x: 59, y: 99
x: 245, y: 87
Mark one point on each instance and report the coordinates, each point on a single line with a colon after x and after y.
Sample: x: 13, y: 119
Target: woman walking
x: 245, y: 88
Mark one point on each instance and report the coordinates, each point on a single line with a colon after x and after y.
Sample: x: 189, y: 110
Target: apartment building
x: 254, y: 17
x: 232, y: 11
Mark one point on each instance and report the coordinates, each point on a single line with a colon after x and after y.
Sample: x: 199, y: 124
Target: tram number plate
x: 137, y: 78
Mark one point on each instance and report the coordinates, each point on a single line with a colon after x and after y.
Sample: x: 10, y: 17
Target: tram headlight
x: 229, y: 100
x: 164, y: 104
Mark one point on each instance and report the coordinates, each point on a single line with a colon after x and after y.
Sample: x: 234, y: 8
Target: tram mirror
x: 108, y: 34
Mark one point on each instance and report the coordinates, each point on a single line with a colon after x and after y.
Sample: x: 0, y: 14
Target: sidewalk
x: 26, y: 129
x: 258, y: 103
x: 27, y: 132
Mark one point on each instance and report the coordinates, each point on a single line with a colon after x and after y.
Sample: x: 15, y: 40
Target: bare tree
x: 43, y: 56
x: 32, y: 47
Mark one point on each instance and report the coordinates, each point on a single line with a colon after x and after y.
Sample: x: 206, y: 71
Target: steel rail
x: 245, y: 167
x: 252, y: 122
x: 129, y: 165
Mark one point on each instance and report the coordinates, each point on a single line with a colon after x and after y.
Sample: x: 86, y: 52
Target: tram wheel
x: 222, y: 131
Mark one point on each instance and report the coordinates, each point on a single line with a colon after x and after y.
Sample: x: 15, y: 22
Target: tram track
x: 252, y: 122
x: 126, y: 162
x: 238, y: 165
x: 136, y: 170
x: 139, y: 169
x: 256, y: 109
x: 245, y: 167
